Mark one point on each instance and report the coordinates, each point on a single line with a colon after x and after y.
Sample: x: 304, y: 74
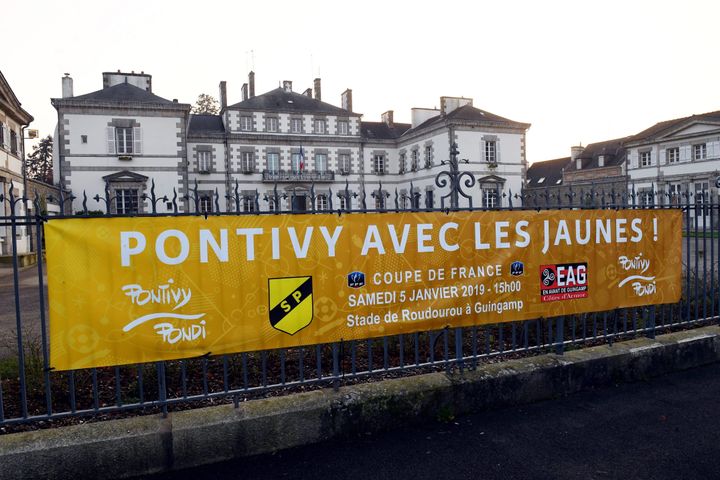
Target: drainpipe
x: 5, y: 211
x: 228, y: 174
x: 28, y: 229
x: 59, y: 142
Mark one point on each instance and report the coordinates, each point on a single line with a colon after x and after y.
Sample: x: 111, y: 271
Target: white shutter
x: 685, y: 153
x: 663, y: 157
x: 111, y: 140
x: 137, y: 140
x: 497, y: 151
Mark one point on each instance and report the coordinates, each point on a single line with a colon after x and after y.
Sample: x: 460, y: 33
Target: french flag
x: 302, y: 159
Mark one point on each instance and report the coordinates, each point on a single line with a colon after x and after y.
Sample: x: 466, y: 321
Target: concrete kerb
x: 150, y: 444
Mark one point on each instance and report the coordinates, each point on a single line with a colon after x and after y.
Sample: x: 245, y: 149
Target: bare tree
x: 206, y: 105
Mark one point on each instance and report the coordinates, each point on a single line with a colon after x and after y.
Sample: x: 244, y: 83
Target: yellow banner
x: 127, y: 290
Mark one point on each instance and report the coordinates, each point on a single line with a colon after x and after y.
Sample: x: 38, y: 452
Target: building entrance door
x: 299, y: 203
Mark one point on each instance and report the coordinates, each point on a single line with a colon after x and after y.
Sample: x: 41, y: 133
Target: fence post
x: 650, y: 327
x: 560, y: 336
x: 459, y: 349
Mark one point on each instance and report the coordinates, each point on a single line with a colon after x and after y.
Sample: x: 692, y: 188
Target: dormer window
x: 541, y: 180
x: 601, y: 160
x: 578, y: 163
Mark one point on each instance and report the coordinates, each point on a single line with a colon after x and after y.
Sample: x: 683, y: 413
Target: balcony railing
x: 304, y: 176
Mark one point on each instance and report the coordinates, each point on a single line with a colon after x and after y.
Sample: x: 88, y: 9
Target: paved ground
x: 668, y: 428
x: 29, y: 305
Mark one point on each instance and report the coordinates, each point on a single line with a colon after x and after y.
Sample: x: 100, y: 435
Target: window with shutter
x: 124, y: 140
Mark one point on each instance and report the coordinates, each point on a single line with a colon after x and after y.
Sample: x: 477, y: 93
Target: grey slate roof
x: 548, y: 173
x: 200, y: 124
x: 613, y: 150
x: 282, y: 101
x: 12, y: 104
x: 662, y: 127
x: 120, y: 93
x: 381, y: 130
x: 470, y: 113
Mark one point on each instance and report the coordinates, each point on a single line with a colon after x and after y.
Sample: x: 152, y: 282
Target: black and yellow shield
x: 290, y: 301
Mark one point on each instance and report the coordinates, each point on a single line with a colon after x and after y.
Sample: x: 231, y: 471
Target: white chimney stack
x: 67, y: 86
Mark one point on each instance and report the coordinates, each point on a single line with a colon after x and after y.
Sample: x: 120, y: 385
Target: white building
x: 675, y: 158
x: 13, y: 120
x: 281, y: 141
x: 123, y: 135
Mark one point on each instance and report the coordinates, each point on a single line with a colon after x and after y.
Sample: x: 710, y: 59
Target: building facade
x: 677, y: 161
x: 13, y: 121
x: 278, y: 150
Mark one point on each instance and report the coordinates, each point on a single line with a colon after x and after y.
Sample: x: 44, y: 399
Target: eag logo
x: 356, y: 279
x: 565, y: 281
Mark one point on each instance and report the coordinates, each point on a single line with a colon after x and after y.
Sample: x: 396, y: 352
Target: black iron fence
x: 30, y: 391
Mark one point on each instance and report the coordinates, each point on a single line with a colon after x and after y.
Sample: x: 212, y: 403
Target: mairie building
x: 278, y: 150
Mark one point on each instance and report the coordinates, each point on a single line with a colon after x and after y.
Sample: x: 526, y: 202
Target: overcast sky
x: 578, y: 71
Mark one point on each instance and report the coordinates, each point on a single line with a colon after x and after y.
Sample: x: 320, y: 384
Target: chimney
x: 316, y: 83
x: 67, y: 86
x: 576, y: 151
x: 308, y: 92
x: 448, y: 104
x: 387, y: 118
x: 251, y: 81
x: 346, y: 100
x: 245, y: 91
x: 287, y: 86
x: 223, y: 95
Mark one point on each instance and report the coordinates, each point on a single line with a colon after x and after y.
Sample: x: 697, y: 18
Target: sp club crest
x: 290, y: 303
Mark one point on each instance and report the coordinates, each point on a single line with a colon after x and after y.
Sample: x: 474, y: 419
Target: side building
x: 677, y: 161
x: 124, y: 137
x: 13, y: 121
x: 593, y: 175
